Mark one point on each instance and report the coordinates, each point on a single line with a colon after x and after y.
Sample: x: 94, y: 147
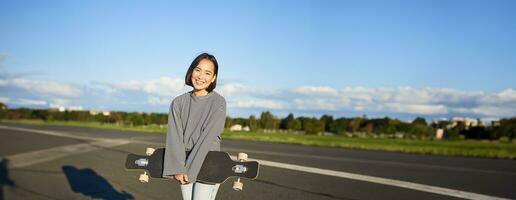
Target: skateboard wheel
x: 149, y: 151
x: 144, y: 178
x: 242, y: 156
x: 238, y: 186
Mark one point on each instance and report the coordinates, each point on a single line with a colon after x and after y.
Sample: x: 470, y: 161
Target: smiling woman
x: 202, y: 74
x: 195, y: 122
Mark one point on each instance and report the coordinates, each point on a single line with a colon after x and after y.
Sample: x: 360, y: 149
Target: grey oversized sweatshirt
x: 194, y: 124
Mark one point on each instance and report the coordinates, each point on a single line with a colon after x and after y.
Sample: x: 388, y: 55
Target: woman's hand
x: 181, y: 178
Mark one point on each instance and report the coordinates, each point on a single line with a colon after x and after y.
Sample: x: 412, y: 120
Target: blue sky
x: 347, y: 58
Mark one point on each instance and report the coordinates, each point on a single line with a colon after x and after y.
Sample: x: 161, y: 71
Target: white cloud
x: 31, y: 102
x: 57, y: 102
x: 44, y: 87
x: 315, y: 104
x: 400, y: 100
x: 506, y: 96
x: 163, y: 87
x: 159, y: 101
x: 264, y: 104
x: 4, y: 99
x: 128, y: 85
x: 238, y: 90
x: 403, y: 100
x: 159, y: 92
x: 315, y: 91
x: 243, y: 96
x: 410, y: 95
x: 103, y: 88
x: 233, y: 89
x: 409, y: 100
x: 418, y: 109
x: 502, y: 104
x: 65, y: 103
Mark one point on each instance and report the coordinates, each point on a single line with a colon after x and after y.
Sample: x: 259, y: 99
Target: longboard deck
x: 217, y: 166
x: 154, y: 165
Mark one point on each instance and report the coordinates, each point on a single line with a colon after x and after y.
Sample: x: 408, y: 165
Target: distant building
x: 440, y: 134
x: 236, y: 127
x: 472, y: 122
x: 61, y: 108
x: 468, y: 122
x: 105, y: 113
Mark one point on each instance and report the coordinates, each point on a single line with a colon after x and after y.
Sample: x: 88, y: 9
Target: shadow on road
x: 89, y: 183
x: 4, y: 177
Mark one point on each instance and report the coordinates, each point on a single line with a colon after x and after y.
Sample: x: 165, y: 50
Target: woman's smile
x: 202, y: 76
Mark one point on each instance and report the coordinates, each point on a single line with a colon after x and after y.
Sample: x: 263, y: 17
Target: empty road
x: 59, y: 162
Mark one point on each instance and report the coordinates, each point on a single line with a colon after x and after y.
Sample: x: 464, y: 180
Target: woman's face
x: 203, y: 75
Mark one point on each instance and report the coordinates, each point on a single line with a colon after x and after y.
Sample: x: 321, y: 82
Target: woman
x: 195, y: 122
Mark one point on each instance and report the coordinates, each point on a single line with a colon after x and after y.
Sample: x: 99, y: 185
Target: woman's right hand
x: 181, y: 178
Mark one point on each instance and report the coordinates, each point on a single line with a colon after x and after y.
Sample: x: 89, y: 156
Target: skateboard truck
x: 239, y: 169
x: 237, y: 185
x: 142, y: 162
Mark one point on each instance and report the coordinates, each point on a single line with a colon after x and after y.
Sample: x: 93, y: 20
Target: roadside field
x: 470, y: 148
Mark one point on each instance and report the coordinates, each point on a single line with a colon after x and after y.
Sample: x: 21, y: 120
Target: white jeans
x: 199, y: 191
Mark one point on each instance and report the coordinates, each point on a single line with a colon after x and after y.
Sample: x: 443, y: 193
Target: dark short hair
x: 195, y: 62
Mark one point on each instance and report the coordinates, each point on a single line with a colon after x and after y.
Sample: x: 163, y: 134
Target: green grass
x: 150, y: 128
x: 471, y: 148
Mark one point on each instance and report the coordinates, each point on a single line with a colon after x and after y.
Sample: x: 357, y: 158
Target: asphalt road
x: 57, y: 162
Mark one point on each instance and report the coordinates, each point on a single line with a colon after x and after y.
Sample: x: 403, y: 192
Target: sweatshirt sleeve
x: 174, y: 161
x: 212, y: 130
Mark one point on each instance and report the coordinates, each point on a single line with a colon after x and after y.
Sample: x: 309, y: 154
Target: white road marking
x: 376, y: 162
x: 49, y: 133
x: 35, y: 157
x: 39, y: 156
x: 379, y: 180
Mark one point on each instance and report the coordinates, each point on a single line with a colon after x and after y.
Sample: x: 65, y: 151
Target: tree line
x: 505, y: 129
x: 387, y: 127
x: 122, y: 118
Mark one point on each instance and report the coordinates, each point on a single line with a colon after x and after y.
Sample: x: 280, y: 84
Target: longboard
x: 216, y: 168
